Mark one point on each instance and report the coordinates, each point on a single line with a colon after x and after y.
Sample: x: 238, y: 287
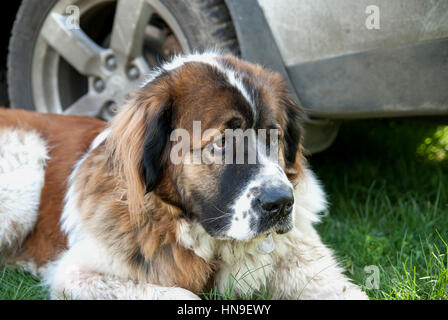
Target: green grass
x: 386, y: 182
x: 17, y: 284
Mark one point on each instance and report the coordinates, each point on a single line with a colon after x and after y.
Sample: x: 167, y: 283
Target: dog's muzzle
x: 275, y: 205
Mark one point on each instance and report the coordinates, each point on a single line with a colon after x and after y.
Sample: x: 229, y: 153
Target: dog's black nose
x: 277, y: 201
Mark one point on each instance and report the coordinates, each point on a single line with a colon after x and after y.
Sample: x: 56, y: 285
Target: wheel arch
x: 253, y: 32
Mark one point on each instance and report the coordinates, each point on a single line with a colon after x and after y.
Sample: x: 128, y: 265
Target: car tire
x: 24, y: 34
x: 205, y: 23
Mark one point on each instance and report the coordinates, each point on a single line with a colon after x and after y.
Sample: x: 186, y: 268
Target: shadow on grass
x: 386, y: 182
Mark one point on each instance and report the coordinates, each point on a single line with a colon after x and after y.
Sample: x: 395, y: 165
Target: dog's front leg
x: 84, y: 284
x: 83, y: 272
x: 307, y: 270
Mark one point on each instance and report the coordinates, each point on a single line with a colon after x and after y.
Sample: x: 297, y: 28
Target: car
x: 342, y: 60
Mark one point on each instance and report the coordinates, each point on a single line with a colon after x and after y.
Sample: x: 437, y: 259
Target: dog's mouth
x: 255, y: 226
x: 284, y: 228
x: 278, y: 226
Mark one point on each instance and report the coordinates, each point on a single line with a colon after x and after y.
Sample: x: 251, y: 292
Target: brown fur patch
x: 68, y: 137
x: 148, y: 246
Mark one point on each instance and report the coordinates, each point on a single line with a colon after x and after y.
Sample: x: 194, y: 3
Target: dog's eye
x: 219, y: 146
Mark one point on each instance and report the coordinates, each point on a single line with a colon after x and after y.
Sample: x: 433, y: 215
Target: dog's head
x: 207, y: 110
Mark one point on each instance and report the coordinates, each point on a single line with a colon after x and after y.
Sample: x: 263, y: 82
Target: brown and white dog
x: 100, y: 212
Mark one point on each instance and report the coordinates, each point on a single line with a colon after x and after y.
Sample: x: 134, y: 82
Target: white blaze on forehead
x: 211, y: 59
x: 271, y: 170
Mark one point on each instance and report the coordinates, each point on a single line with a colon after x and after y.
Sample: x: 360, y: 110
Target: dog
x: 99, y: 211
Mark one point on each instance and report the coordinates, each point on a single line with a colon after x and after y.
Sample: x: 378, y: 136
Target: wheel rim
x: 73, y: 74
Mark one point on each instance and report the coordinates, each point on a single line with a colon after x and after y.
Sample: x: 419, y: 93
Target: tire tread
x: 218, y: 17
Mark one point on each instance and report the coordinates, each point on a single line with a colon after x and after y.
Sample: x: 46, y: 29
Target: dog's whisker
x: 221, y: 210
x: 213, y: 219
x: 226, y: 214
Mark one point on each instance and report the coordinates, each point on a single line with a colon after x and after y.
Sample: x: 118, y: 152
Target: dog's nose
x: 277, y: 201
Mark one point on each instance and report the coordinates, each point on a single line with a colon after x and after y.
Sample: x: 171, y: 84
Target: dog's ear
x: 293, y: 137
x: 293, y: 131
x: 137, y: 144
x: 156, y: 145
